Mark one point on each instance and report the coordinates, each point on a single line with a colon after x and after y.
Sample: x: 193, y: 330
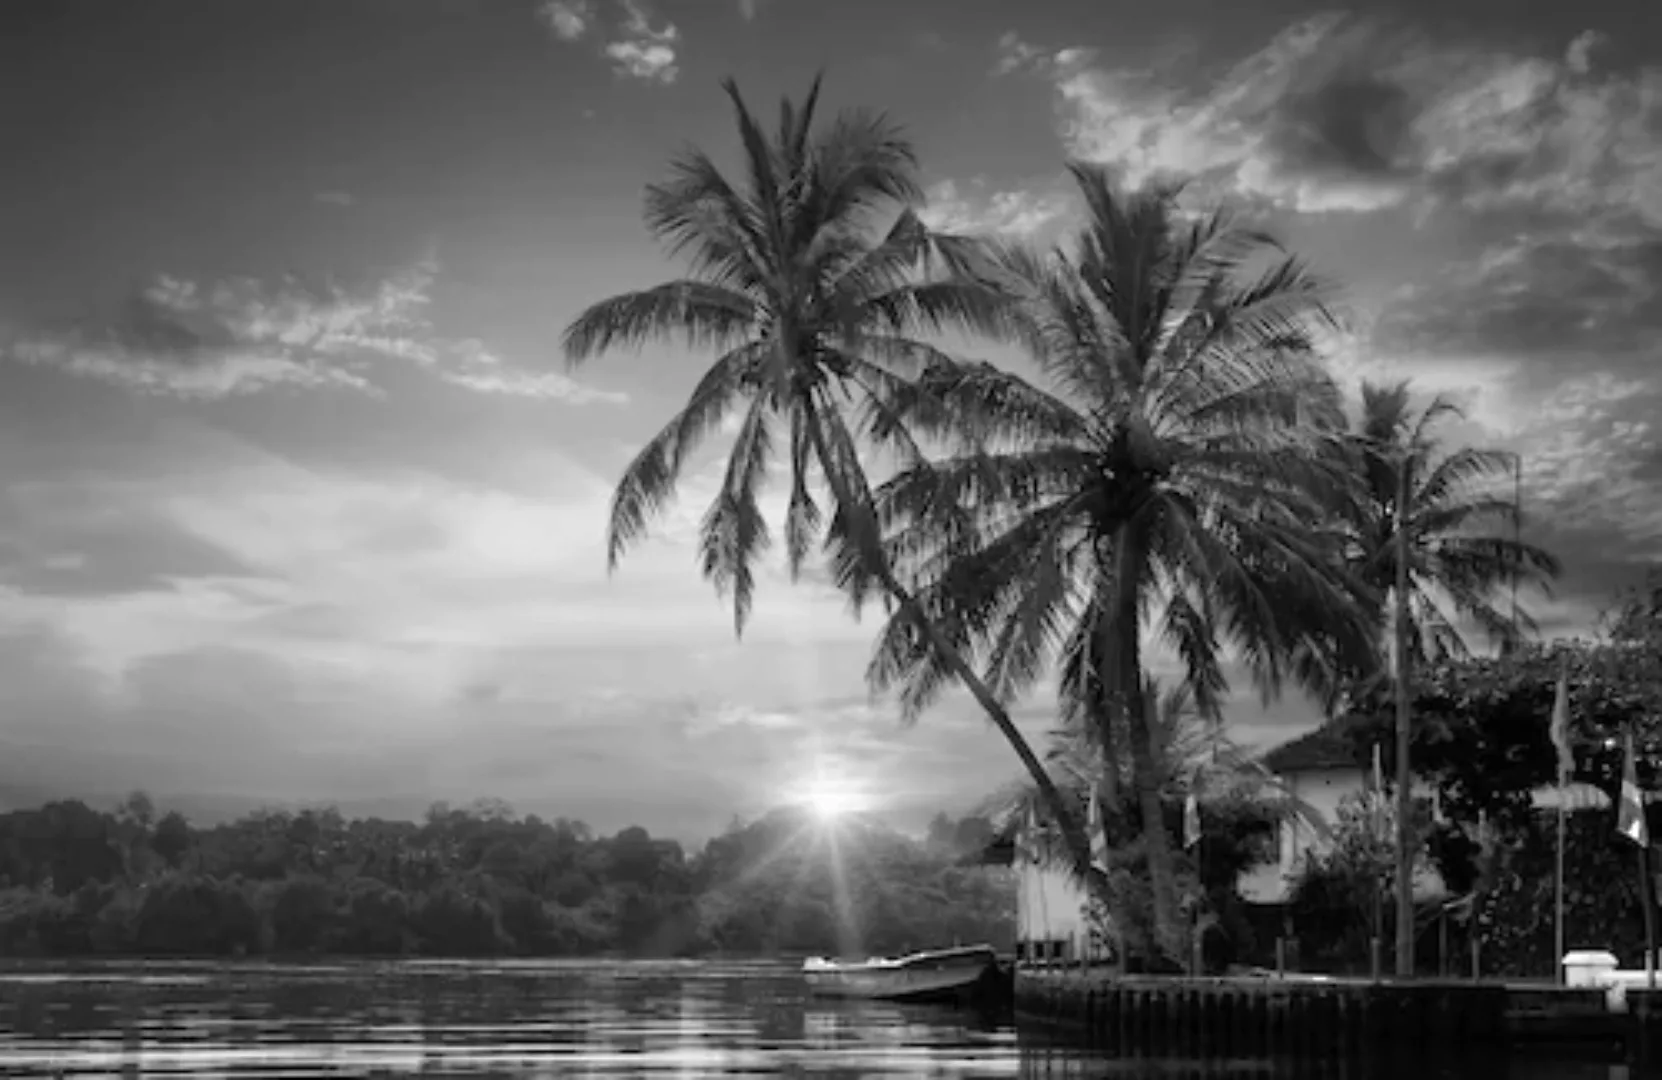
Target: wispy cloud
x: 1018, y: 212
x: 1557, y: 289
x: 1344, y: 114
x: 194, y: 340
x: 476, y: 368
x: 636, y: 48
x: 334, y: 198
x: 568, y: 19
x: 642, y: 51
x: 1014, y: 54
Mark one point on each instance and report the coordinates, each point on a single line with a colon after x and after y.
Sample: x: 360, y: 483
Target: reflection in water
x: 524, y: 1020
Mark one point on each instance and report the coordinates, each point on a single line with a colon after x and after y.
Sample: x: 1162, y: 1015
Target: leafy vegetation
x: 477, y: 882
x: 1481, y: 739
x: 1340, y: 905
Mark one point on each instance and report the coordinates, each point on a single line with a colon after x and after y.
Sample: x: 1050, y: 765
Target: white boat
x: 941, y: 973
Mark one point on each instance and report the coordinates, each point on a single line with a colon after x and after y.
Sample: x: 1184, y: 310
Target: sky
x: 299, y: 502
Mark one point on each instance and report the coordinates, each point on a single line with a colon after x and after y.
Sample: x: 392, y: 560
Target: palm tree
x: 813, y: 281
x: 1463, y: 552
x: 1166, y: 474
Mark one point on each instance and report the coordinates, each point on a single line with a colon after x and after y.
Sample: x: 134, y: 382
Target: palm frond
x: 648, y: 484
x: 733, y: 533
x: 699, y: 313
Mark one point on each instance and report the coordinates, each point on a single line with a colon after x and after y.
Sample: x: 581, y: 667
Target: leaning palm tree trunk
x: 851, y: 493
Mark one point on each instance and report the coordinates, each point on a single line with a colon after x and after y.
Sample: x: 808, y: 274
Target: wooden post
x: 1477, y: 951
x: 1281, y: 957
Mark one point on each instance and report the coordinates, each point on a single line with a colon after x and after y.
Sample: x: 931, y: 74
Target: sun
x: 830, y: 801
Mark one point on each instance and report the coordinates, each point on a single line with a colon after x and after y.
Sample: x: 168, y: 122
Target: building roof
x: 1331, y: 746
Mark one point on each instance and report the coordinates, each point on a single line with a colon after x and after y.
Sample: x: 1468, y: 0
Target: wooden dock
x: 1423, y: 1021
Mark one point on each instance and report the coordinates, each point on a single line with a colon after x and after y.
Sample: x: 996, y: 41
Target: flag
x: 1098, y: 830
x: 1630, y: 808
x: 1381, y: 805
x: 1561, y: 727
x: 1191, y: 814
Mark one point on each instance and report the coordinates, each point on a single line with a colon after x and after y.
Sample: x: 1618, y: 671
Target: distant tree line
x: 479, y: 881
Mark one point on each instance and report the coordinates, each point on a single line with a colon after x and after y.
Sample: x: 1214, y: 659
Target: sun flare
x: 829, y: 801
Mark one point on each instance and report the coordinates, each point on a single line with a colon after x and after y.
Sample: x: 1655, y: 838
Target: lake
x: 542, y: 1019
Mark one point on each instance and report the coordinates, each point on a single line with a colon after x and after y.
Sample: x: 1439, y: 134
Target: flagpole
x: 1631, y: 823
x: 1405, y: 794
x: 1558, y: 899
x: 1646, y: 894
x: 1650, y: 913
x: 1561, y: 744
x: 1517, y: 531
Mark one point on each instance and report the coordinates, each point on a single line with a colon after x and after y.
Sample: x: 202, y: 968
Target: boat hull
x: 950, y: 975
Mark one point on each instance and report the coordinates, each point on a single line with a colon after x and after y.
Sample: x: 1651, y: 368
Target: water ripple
x: 530, y: 1020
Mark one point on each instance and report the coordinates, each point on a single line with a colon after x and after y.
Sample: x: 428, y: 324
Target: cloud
x: 475, y: 367
x: 277, y: 627
x: 203, y: 341
x: 334, y: 198
x: 1561, y: 289
x: 1344, y: 114
x: 1014, y: 55
x: 749, y: 8
x: 642, y: 52
x: 634, y: 46
x: 568, y: 19
x: 1010, y: 213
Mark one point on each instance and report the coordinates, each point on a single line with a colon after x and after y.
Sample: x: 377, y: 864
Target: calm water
x: 542, y: 1020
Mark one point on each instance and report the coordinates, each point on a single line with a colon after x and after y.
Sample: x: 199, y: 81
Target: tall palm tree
x: 1164, y: 474
x: 814, y: 282
x: 1464, y: 555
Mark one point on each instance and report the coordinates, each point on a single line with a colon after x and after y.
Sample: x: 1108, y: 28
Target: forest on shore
x: 481, y: 881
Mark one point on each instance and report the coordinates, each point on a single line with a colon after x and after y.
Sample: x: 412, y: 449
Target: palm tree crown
x: 804, y: 278
x: 1463, y: 551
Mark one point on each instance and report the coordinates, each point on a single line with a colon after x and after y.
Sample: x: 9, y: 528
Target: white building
x: 1051, y: 914
x: 1320, y: 770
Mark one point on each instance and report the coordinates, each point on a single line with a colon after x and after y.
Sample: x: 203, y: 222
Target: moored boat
x: 921, y: 976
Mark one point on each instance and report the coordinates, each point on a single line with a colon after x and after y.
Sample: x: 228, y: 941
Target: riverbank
x: 1337, y: 1019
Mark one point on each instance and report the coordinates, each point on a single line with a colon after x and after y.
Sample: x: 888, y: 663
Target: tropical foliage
x: 1339, y: 905
x: 475, y: 882
x: 1180, y: 465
